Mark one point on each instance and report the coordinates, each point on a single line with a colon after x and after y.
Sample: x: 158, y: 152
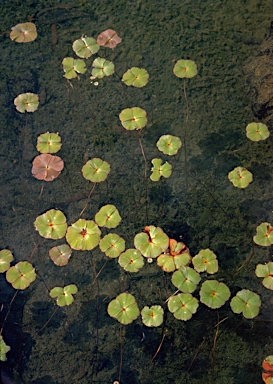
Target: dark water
x: 81, y: 343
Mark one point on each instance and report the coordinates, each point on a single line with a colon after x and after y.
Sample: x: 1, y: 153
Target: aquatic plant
x: 176, y: 257
x: 108, y: 216
x: 21, y: 275
x: 265, y: 271
x: 60, y: 255
x: 131, y: 260
x: 123, y: 308
x: 186, y: 279
x: 160, y: 169
x: 26, y: 102
x: 85, y: 47
x: 6, y: 258
x: 169, y: 144
x: 246, y: 302
x: 214, y: 294
x: 257, y: 131
x: 47, y: 167
x: 4, y: 349
x: 267, y: 365
x: 205, y: 260
x: 151, y: 242
x: 133, y: 118
x: 83, y: 235
x: 112, y: 245
x: 96, y: 170
x: 73, y: 66
x: 51, y: 224
x: 183, y: 306
x: 102, y: 67
x: 264, y: 235
x: 23, y: 32
x: 108, y: 38
x: 49, y: 143
x: 64, y: 295
x: 137, y: 77
x: 152, y: 316
x: 185, y: 68
x: 240, y: 177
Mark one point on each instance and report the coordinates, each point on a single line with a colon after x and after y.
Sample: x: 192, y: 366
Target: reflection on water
x: 81, y: 343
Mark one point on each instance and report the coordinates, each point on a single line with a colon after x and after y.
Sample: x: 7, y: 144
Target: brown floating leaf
x: 108, y: 38
x: 47, y: 167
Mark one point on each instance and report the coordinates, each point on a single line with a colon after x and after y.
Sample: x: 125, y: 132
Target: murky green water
x: 81, y: 343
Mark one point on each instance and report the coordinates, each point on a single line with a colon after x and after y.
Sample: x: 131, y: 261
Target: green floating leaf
x: 169, y: 144
x: 83, y: 235
x: 131, y: 260
x: 185, y: 68
x: 152, y: 242
x: 85, y: 47
x: 51, y: 225
x: 186, y: 279
x: 23, y: 32
x: 159, y: 170
x: 153, y: 316
x: 21, y: 275
x: 102, y: 67
x: 240, y: 177
x: 112, y: 245
x: 49, y: 143
x: 257, y: 131
x: 96, y: 170
x: 26, y: 102
x: 123, y: 308
x: 137, y: 77
x: 133, y: 118
x: 64, y: 295
x: 246, y: 302
x: 183, y: 306
x: 108, y: 216
x: 205, y: 260
x: 60, y: 255
x: 6, y: 258
x: 264, y: 235
x: 266, y: 271
x: 214, y: 294
x: 4, y: 348
x: 177, y: 257
x: 73, y: 66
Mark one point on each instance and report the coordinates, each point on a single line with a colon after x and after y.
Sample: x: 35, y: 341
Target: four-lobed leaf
x: 214, y: 294
x: 112, y: 245
x: 73, y: 66
x: 83, y: 235
x: 160, y: 169
x: 108, y: 216
x: 96, y: 170
x: 85, y: 47
x: 246, y: 302
x: 257, y: 131
x: 64, y: 295
x: 51, y: 225
x: 21, y: 275
x: 264, y: 235
x: 102, y: 67
x: 265, y: 271
x: 123, y: 308
x: 6, y: 258
x: 131, y: 260
x: 152, y: 316
x: 26, y: 102
x: 186, y: 279
x: 205, y: 260
x: 169, y: 144
x: 183, y: 306
x: 49, y: 143
x: 240, y: 177
x: 137, y: 77
x: 151, y: 242
x: 185, y: 68
x: 133, y: 118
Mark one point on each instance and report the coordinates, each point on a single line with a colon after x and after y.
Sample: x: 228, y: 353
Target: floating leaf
x: 26, y: 102
x: 47, y: 167
x: 159, y: 170
x: 137, y: 77
x: 133, y: 118
x: 21, y: 275
x: 6, y: 258
x: 246, y: 302
x: 240, y: 177
x: 85, y: 47
x: 4, y: 348
x: 108, y: 39
x: 185, y: 68
x: 96, y: 170
x: 257, y: 131
x: 183, y: 306
x: 48, y: 143
x: 266, y: 271
x: 123, y: 308
x: 102, y: 67
x: 131, y: 260
x: 186, y: 279
x: 112, y: 245
x: 267, y: 365
x: 152, y: 242
x: 108, y: 216
x: 64, y: 295
x: 51, y: 225
x: 169, y: 144
x: 214, y: 294
x: 153, y: 316
x: 205, y: 260
x: 23, y: 33
x: 73, y: 66
x: 264, y: 235
x: 83, y: 235
x: 60, y: 254
x: 177, y: 257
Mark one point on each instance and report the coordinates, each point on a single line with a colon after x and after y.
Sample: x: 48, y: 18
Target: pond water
x: 197, y: 204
